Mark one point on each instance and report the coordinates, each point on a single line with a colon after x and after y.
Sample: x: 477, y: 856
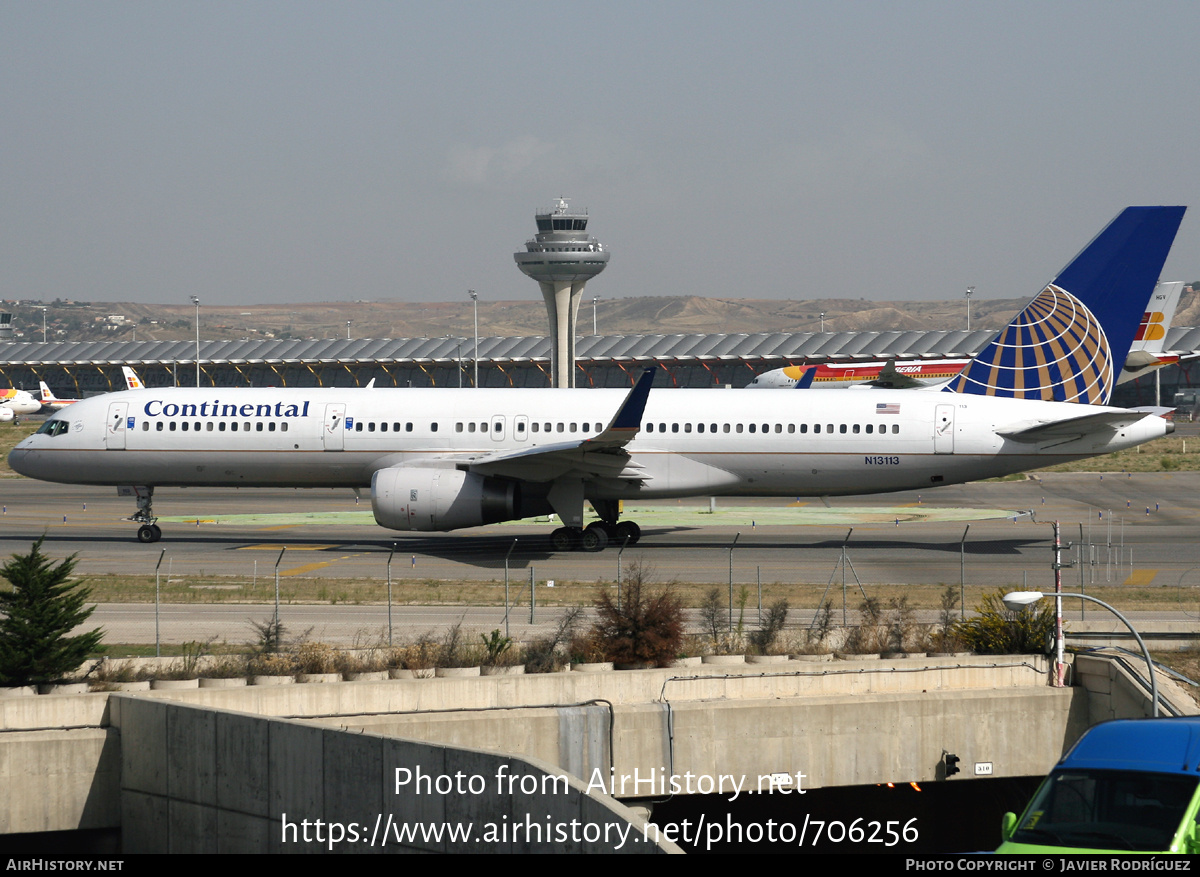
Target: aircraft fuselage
x: 691, y: 442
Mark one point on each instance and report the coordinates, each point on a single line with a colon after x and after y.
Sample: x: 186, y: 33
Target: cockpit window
x: 53, y: 427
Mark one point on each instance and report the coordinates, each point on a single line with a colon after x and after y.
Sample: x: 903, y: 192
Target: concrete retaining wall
x: 64, y: 760
x: 200, y: 780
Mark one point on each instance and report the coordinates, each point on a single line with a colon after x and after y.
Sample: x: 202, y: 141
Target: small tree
x: 764, y: 639
x: 40, y: 611
x: 646, y: 627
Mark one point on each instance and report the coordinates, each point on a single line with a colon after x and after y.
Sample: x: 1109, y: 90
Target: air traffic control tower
x: 562, y: 258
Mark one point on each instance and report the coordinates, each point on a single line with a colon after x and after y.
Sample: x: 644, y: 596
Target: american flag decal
x: 887, y: 407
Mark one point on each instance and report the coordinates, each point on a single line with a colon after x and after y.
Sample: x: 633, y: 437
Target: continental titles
x: 156, y: 408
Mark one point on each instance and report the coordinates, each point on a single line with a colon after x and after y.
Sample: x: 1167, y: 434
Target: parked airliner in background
x: 1145, y: 356
x: 14, y: 403
x: 132, y: 381
x: 52, y: 402
x: 443, y: 459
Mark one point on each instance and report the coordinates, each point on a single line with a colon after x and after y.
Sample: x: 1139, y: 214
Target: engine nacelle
x: 410, y: 498
x: 6, y: 415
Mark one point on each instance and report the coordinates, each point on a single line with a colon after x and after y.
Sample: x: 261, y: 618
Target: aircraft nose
x: 19, y: 460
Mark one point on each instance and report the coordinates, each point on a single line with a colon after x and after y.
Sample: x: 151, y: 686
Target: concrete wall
x: 65, y: 759
x: 833, y: 741
x: 200, y: 780
x: 1115, y: 693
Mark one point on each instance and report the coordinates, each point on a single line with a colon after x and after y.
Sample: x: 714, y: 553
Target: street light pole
x: 1019, y: 599
x: 970, y: 289
x: 196, y: 302
x: 43, y: 325
x: 475, y: 303
x: 595, y: 298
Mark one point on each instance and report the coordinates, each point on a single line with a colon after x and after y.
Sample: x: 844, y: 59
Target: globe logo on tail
x: 1054, y: 350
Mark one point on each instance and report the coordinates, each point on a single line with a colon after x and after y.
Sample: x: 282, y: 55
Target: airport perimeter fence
x: 370, y: 595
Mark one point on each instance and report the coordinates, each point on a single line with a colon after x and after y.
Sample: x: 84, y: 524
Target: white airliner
x: 132, y: 381
x: 443, y: 459
x: 1145, y: 356
x: 49, y: 400
x: 14, y: 403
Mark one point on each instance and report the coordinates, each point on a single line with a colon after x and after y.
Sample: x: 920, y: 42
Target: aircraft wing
x: 891, y: 379
x: 601, y: 456
x: 1074, y: 427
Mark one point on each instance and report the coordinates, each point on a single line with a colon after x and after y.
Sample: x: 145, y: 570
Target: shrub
x: 822, y: 625
x: 764, y: 639
x: 872, y: 634
x: 545, y: 654
x: 946, y: 640
x: 998, y: 630
x: 647, y: 626
x: 315, y: 658
x: 39, y: 613
x: 498, y: 648
x: 712, y: 616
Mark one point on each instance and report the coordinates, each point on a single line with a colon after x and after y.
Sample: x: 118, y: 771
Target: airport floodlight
x: 1019, y: 599
x: 475, y: 304
x: 196, y: 302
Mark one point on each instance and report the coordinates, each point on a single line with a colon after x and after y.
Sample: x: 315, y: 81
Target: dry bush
x: 646, y: 627
x: 547, y: 654
x: 765, y: 640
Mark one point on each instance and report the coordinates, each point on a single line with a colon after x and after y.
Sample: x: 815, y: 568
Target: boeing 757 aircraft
x: 444, y: 459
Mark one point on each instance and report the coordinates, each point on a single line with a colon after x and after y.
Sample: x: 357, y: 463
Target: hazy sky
x: 266, y: 152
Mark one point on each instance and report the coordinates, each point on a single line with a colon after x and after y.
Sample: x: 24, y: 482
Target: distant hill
x: 659, y: 315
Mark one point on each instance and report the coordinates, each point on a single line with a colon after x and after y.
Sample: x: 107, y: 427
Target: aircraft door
x: 334, y: 430
x: 943, y: 429
x: 115, y: 429
x: 497, y: 427
x: 521, y: 427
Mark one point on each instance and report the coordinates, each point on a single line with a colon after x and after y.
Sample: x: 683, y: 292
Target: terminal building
x: 76, y: 369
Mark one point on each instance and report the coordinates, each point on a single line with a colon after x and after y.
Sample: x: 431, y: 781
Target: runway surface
x: 1137, y: 530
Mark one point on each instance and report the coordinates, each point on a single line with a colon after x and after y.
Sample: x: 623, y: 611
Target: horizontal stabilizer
x: 1037, y: 431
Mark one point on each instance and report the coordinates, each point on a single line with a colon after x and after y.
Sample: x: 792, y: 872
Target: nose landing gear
x: 149, y: 531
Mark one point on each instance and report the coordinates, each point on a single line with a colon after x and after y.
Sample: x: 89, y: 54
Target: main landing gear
x: 149, y: 531
x: 595, y: 536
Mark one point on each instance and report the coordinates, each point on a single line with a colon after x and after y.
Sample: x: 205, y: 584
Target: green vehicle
x: 1127, y: 786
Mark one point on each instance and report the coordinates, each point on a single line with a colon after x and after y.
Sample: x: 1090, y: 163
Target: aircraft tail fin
x: 1156, y: 321
x: 806, y: 378
x: 47, y: 396
x: 1069, y: 343
x: 132, y: 381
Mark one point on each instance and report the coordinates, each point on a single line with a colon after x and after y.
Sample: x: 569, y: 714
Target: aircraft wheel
x: 145, y: 533
x: 628, y: 529
x: 563, y: 539
x: 157, y: 532
x: 594, y: 538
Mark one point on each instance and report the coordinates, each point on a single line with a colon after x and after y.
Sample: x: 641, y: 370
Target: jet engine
x: 411, y: 498
x: 6, y: 415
